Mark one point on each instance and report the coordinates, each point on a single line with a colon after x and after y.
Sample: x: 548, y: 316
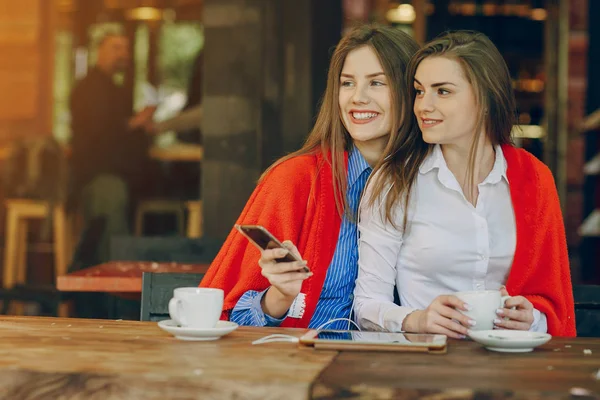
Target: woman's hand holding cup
x: 517, y: 313
x: 441, y: 317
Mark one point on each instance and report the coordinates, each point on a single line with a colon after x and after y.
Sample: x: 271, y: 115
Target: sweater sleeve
x: 278, y: 203
x: 556, y: 301
x: 545, y: 278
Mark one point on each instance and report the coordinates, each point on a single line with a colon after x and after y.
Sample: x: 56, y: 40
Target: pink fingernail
x: 500, y: 311
x: 472, y: 322
x: 497, y: 321
x: 467, y: 307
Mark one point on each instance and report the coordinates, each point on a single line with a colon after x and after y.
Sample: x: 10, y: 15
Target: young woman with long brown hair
x: 310, y: 197
x: 456, y: 207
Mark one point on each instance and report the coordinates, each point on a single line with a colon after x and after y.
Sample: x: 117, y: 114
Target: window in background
x: 178, y: 47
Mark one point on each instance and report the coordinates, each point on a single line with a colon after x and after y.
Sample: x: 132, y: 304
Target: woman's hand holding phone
x: 285, y: 278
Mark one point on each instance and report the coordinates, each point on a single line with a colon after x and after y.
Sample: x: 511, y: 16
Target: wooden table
x: 51, y: 358
x: 107, y: 359
x: 467, y: 371
x: 119, y: 276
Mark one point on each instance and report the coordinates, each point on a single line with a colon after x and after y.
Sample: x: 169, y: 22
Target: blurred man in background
x: 108, y: 157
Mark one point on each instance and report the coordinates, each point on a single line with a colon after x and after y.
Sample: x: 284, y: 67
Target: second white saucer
x: 509, y: 341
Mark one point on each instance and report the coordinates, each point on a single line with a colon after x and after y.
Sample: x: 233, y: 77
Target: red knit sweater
x: 296, y: 202
x: 540, y: 269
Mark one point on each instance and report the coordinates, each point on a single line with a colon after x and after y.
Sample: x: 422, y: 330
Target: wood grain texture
x: 467, y: 371
x: 105, y: 359
x: 120, y: 276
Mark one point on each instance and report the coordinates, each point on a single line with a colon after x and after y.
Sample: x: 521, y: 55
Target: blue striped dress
x: 337, y: 294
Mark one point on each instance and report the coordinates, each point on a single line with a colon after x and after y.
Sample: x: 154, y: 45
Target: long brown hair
x: 486, y: 71
x: 394, y: 49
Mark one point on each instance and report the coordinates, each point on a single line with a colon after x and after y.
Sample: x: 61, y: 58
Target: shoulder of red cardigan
x: 524, y: 167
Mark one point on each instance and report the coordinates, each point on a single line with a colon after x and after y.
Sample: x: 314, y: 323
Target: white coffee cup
x: 484, y: 304
x: 194, y: 307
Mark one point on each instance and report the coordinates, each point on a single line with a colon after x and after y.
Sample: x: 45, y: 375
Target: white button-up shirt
x: 449, y: 245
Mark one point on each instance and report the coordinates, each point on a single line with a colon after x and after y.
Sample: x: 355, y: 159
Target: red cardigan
x: 296, y: 202
x: 540, y: 269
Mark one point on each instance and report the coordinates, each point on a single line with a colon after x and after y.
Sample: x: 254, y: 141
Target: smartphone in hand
x: 263, y: 239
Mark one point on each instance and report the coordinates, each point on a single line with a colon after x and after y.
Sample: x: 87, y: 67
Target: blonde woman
x: 310, y: 197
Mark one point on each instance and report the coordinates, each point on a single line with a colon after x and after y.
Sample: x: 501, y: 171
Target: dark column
x: 297, y: 109
x: 234, y: 96
x: 265, y: 69
x: 327, y: 27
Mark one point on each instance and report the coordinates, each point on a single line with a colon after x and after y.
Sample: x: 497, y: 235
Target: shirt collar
x: 356, y: 165
x: 436, y: 160
x: 499, y: 169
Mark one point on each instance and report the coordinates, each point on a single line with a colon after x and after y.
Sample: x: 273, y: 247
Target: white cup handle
x: 174, y: 306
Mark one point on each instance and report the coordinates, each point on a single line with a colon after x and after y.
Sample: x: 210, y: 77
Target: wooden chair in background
x: 18, y: 212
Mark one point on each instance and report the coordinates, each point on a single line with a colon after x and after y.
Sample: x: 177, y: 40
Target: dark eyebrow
x: 368, y: 76
x: 434, y: 85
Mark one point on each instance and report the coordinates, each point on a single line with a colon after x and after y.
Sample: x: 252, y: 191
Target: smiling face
x: 365, y: 98
x: 445, y: 103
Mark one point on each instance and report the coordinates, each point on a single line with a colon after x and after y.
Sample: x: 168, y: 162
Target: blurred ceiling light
x: 539, y: 14
x: 489, y: 9
x: 403, y: 14
x: 522, y: 10
x: 144, y: 14
x: 469, y: 9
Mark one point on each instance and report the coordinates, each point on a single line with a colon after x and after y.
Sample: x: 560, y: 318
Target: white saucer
x: 181, y: 333
x: 508, y: 341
